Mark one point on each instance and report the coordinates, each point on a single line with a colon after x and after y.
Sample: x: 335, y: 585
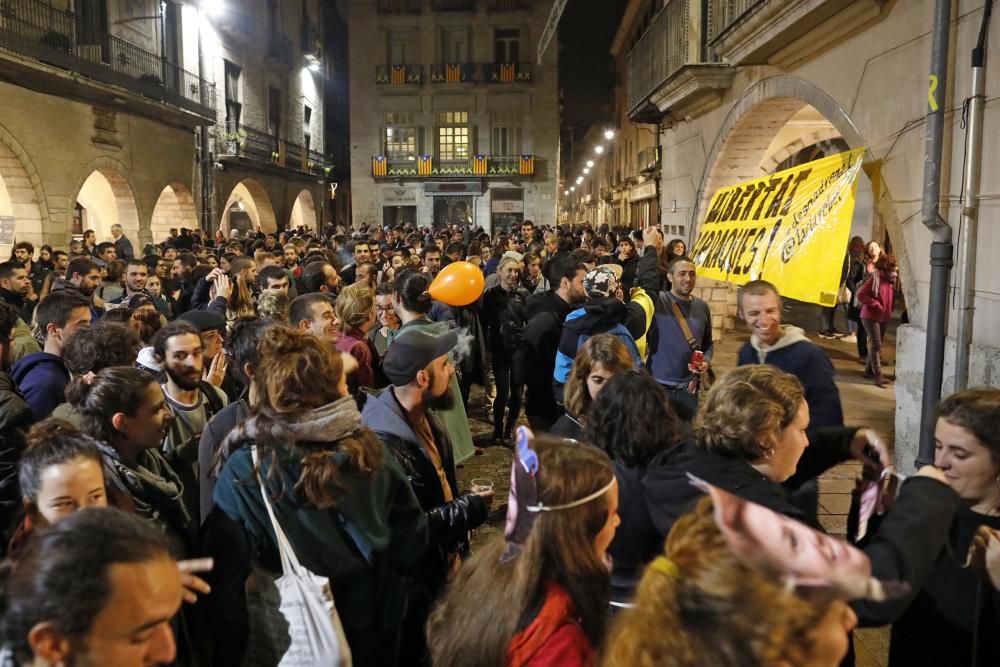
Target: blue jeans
x: 683, y: 402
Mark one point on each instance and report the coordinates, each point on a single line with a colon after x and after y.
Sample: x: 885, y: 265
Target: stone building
x: 452, y: 120
x: 743, y: 89
x: 103, y: 101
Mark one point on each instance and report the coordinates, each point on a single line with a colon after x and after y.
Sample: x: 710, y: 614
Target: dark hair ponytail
x: 411, y: 286
x: 113, y: 390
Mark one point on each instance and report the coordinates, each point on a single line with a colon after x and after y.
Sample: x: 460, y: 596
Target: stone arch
x: 740, y: 151
x: 21, y: 194
x: 304, y: 212
x: 249, y: 197
x: 105, y: 191
x: 174, y: 208
x: 770, y: 163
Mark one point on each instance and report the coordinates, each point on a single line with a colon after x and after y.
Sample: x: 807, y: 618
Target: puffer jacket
x: 448, y: 523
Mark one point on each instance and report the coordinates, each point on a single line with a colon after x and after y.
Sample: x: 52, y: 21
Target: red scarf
x: 557, y: 611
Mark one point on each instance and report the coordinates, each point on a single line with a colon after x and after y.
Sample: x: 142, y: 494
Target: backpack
x: 564, y: 362
x: 513, y: 321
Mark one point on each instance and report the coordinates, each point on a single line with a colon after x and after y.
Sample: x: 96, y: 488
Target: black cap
x: 204, y: 320
x: 414, y: 350
x: 139, y: 299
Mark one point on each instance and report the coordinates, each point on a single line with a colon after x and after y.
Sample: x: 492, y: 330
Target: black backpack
x: 513, y: 320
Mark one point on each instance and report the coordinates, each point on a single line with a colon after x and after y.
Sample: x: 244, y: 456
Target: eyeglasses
x: 383, y: 309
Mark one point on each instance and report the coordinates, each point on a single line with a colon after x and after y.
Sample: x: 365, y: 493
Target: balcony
x: 426, y: 166
x: 33, y: 29
x: 398, y: 7
x: 648, y: 160
x: 242, y: 143
x: 508, y: 5
x: 453, y: 5
x: 480, y: 73
x: 668, y: 73
x: 397, y: 75
x: 782, y: 31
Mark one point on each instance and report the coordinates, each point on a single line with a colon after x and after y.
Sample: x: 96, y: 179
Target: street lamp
x: 590, y: 163
x: 586, y: 170
x: 579, y: 180
x: 609, y: 134
x: 572, y: 188
x: 598, y: 149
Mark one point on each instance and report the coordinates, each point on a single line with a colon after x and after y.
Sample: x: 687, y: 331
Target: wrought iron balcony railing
x: 399, y: 74
x: 480, y: 72
x: 398, y: 7
x: 39, y: 31
x: 241, y: 141
x: 427, y: 166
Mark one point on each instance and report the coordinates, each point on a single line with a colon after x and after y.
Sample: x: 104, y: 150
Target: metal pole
x: 970, y: 206
x: 941, y: 232
x: 204, y: 156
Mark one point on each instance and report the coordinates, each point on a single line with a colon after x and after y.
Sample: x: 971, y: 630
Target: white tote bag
x: 293, y: 621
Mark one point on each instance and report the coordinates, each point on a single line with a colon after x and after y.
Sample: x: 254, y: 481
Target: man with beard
x: 83, y: 277
x: 537, y: 356
x: 682, y: 325
x: 15, y: 289
x: 211, y: 327
x: 320, y: 276
x: 404, y: 420
x: 193, y: 401
x: 136, y: 273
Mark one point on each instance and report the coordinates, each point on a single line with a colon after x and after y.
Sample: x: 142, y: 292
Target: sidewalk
x: 864, y: 405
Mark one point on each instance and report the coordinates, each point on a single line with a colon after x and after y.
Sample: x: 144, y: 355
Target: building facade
x: 744, y: 89
x: 452, y: 120
x: 270, y: 169
x: 103, y: 125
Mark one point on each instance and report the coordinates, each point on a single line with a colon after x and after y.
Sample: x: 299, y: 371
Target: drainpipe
x: 970, y: 205
x: 941, y: 232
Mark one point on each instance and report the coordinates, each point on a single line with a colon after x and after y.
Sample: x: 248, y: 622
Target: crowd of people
x: 242, y: 450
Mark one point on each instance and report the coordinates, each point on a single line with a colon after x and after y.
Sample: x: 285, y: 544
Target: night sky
x: 586, y: 71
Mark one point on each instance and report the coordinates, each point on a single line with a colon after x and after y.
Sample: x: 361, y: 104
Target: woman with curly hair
x: 598, y: 360
x: 347, y: 508
x: 699, y: 604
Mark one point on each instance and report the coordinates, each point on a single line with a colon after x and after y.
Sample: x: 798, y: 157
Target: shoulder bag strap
x: 685, y: 329
x: 289, y: 562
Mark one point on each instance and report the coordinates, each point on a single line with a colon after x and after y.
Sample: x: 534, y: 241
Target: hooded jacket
x: 42, y: 378
x: 15, y: 418
x: 796, y: 354
x: 448, y: 523
x: 597, y: 316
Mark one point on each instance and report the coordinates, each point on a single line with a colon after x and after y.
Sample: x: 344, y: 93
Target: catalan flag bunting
x: 398, y: 74
x: 527, y: 165
x: 507, y: 72
x: 452, y: 73
x: 479, y: 165
x: 379, y: 165
x: 424, y: 165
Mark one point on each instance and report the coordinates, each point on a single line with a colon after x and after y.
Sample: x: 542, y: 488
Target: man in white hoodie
x: 787, y: 347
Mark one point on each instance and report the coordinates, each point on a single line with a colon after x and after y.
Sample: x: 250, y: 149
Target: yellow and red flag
x: 526, y: 166
x: 379, y: 165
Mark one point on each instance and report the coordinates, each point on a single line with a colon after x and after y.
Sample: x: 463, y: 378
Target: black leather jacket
x: 448, y: 523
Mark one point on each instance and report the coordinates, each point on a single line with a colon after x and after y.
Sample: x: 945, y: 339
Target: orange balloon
x: 458, y: 284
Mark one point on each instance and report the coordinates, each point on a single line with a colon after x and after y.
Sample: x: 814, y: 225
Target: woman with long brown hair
x: 241, y: 303
x: 538, y: 596
x: 600, y: 358
x: 346, y: 508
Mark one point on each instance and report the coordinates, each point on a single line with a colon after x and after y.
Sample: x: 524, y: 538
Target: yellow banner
x: 790, y: 228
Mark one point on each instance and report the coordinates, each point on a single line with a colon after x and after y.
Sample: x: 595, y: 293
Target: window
x: 453, y: 135
x: 273, y: 112
x: 507, y: 42
x: 234, y: 108
x: 400, y: 140
x: 454, y: 45
x: 402, y: 47
x: 307, y: 114
x: 506, y: 136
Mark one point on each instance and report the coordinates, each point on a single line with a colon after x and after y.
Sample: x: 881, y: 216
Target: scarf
x: 152, y: 484
x: 328, y: 423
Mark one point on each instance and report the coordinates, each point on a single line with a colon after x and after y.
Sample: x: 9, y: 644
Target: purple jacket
x: 877, y: 304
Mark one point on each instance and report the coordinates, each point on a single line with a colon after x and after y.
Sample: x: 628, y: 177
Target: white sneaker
x: 852, y: 338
